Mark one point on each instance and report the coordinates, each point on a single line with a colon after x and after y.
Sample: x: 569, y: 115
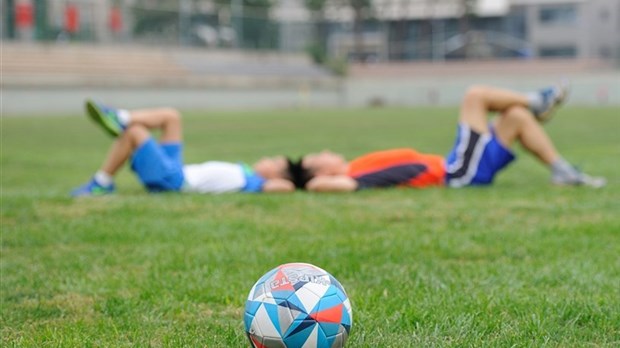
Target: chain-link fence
x: 167, y: 23
x: 351, y: 30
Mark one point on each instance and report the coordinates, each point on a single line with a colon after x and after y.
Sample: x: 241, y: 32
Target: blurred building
x: 578, y: 28
x: 447, y: 29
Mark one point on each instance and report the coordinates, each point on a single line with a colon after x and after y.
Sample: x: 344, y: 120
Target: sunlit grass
x: 521, y: 263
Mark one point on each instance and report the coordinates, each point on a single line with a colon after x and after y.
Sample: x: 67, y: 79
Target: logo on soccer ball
x: 297, y: 305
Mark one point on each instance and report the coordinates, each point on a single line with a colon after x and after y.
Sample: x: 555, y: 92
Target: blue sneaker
x: 552, y: 98
x: 106, y: 117
x: 92, y: 188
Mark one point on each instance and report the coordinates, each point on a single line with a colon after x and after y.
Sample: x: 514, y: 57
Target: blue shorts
x: 159, y: 166
x: 475, y: 158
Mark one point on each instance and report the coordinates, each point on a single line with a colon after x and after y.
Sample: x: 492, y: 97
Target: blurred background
x: 301, y: 53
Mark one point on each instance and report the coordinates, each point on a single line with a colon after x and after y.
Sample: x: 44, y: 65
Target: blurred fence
x: 167, y: 23
x: 256, y: 53
x: 384, y: 30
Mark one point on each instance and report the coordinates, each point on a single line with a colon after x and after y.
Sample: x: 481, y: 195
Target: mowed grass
x: 518, y: 264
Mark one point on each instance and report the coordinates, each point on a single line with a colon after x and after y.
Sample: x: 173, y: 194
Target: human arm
x: 332, y: 183
x: 278, y: 185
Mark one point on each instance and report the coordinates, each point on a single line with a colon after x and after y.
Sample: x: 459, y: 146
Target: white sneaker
x: 578, y: 179
x: 552, y: 98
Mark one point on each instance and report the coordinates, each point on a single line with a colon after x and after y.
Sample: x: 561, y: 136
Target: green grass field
x: 518, y: 264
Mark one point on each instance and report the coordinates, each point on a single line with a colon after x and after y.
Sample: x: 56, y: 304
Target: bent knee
x: 134, y: 130
x: 476, y: 93
x: 135, y: 134
x: 172, y: 114
x: 518, y: 113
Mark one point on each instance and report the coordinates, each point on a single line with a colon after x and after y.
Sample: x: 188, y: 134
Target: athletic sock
x: 535, y: 101
x: 562, y: 168
x: 103, y: 178
x: 124, y: 117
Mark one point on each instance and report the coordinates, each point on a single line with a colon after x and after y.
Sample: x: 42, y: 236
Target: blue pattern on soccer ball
x: 297, y: 305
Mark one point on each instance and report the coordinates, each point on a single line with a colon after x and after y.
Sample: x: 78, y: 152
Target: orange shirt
x: 398, y: 167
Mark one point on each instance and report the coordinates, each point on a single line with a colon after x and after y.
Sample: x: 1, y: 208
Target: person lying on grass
x: 481, y: 150
x: 159, y: 165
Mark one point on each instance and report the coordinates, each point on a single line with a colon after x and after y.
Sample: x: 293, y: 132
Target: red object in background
x: 116, y: 20
x: 23, y: 15
x: 72, y: 19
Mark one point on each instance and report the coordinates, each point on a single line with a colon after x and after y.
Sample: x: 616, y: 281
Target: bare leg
x: 518, y: 123
x: 480, y: 100
x: 166, y: 119
x: 141, y: 121
x: 132, y: 130
x: 123, y: 147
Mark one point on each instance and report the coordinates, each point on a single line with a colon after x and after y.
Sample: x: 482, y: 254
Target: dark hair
x: 298, y: 174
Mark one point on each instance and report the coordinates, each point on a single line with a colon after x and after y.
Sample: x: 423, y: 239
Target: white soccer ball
x: 298, y: 305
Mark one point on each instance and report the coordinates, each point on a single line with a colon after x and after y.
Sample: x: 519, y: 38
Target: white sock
x: 103, y: 178
x: 535, y: 100
x: 562, y: 167
x: 124, y: 117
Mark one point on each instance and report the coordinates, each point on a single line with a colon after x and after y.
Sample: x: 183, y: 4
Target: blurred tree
x: 10, y: 18
x: 318, y: 46
x: 259, y: 31
x: 156, y: 19
x: 169, y: 20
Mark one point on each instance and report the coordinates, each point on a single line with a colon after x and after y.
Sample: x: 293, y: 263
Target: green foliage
x: 258, y: 3
x: 338, y: 66
x: 318, y: 48
x: 358, y: 5
x: 166, y: 23
x: 315, y: 5
x: 260, y: 33
x: 317, y: 53
x: 520, y: 264
x: 152, y: 22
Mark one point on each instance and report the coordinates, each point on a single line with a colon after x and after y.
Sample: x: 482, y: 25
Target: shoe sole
x: 595, y: 184
x: 92, y: 194
x: 96, y: 115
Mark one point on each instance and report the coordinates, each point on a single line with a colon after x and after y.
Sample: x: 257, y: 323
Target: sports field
x: 518, y: 264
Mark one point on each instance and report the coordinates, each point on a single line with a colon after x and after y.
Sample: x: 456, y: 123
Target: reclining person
x: 481, y: 150
x: 159, y: 165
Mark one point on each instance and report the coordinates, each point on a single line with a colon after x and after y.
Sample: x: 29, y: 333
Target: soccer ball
x: 297, y: 305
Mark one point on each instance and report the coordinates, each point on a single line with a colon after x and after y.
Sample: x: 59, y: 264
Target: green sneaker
x: 106, y: 117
